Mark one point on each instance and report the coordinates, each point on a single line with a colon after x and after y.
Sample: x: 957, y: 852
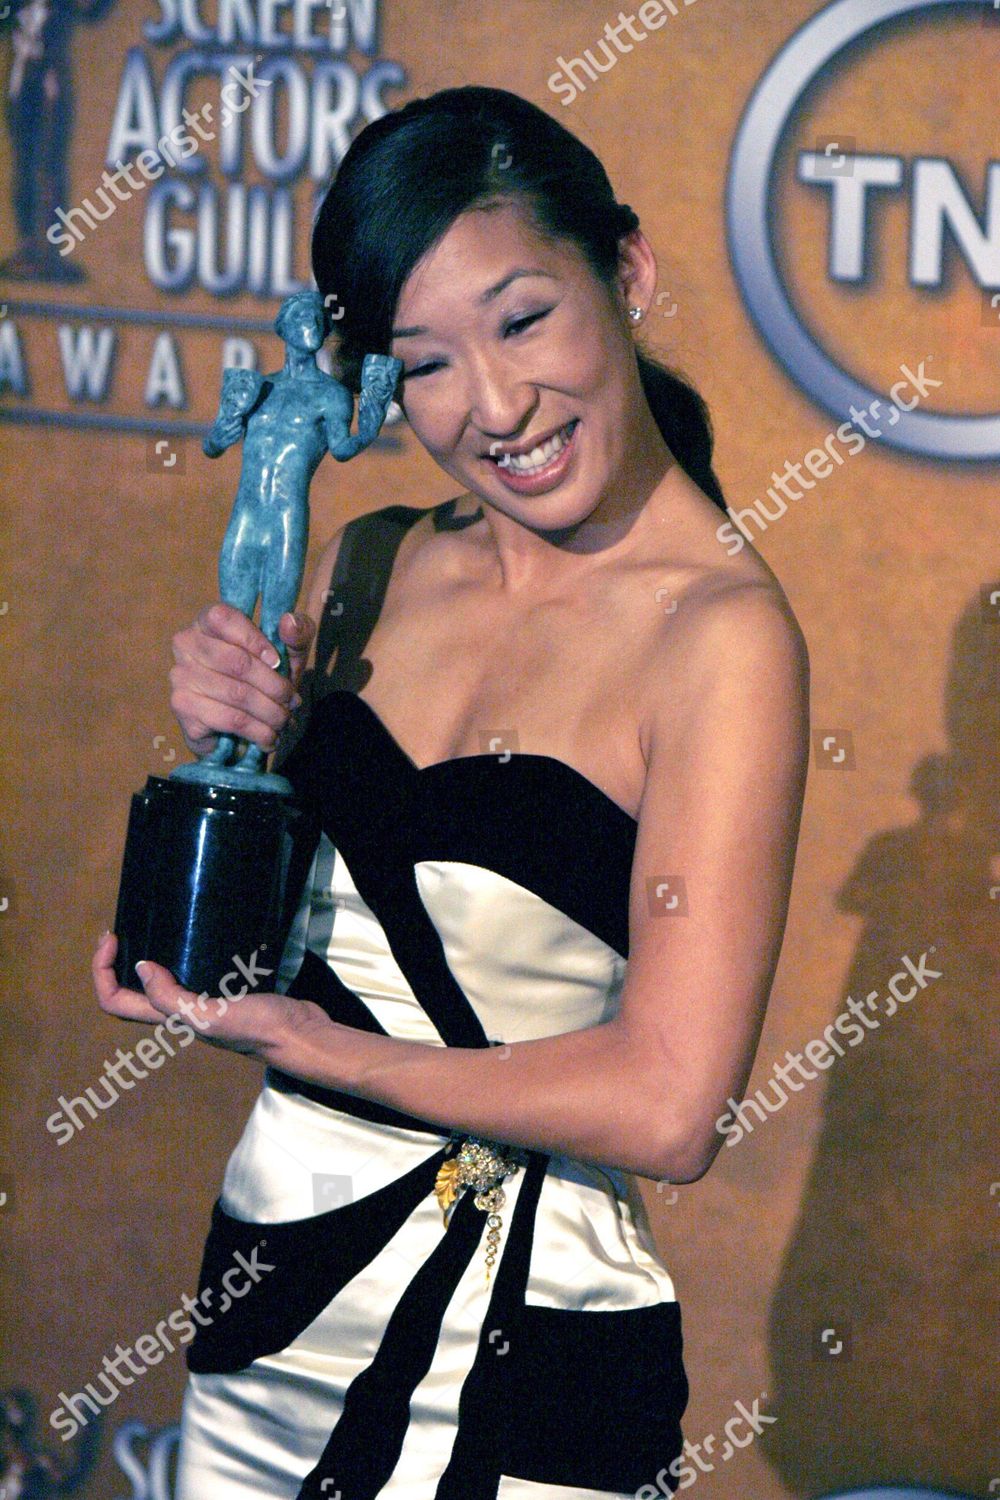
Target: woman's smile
x: 541, y: 469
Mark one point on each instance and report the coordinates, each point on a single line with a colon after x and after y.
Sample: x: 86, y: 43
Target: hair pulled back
x: 408, y: 175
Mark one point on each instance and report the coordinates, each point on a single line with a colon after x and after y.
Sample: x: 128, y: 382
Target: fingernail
x: 104, y: 934
x: 140, y: 967
x: 296, y: 700
x: 267, y: 657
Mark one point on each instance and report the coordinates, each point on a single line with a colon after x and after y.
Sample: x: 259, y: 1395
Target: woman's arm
x: 718, y: 829
x: 726, y: 742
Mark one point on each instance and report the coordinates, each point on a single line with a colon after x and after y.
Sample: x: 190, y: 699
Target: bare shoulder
x: 733, y: 638
x: 745, y: 613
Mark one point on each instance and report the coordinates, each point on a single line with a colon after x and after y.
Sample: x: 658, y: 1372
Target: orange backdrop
x: 834, y: 1263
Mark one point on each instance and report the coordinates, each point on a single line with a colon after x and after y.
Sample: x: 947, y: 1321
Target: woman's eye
x: 515, y: 326
x: 524, y: 322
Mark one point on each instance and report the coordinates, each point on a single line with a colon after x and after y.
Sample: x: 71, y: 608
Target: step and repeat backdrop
x: 821, y: 186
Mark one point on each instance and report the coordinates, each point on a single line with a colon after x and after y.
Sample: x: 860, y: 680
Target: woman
x: 582, y: 741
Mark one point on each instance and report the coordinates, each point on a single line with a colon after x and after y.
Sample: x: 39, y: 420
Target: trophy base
x: 232, y: 776
x: 203, y: 881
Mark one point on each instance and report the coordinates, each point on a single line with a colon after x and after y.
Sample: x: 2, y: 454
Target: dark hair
x: 409, y: 174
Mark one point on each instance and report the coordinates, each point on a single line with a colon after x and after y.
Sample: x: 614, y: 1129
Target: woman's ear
x: 636, y: 270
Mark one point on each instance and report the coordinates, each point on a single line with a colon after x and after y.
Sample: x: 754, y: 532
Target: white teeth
x: 538, y: 457
x: 528, y: 460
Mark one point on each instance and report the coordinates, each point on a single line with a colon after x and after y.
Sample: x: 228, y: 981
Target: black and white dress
x: 476, y: 901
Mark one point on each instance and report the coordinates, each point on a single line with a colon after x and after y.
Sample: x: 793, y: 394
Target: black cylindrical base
x: 202, y: 886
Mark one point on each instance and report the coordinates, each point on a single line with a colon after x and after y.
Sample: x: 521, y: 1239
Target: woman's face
x: 495, y: 360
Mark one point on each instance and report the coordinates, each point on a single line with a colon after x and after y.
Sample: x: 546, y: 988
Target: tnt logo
x: 165, y: 456
x: 942, y: 213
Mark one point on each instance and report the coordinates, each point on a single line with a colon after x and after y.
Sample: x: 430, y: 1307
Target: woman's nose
x: 500, y: 401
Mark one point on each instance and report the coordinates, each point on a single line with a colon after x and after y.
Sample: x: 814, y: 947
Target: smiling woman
x: 387, y: 210
x: 543, y: 881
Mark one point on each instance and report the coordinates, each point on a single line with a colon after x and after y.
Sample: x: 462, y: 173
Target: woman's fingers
x: 258, y: 1024
x: 206, y: 701
x: 297, y: 631
x: 224, y: 622
x: 220, y: 683
x: 162, y: 990
x: 112, y: 997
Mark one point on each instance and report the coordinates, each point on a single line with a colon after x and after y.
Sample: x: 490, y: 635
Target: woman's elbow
x: 687, y: 1154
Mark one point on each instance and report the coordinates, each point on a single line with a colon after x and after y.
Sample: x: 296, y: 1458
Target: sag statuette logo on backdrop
x: 219, y: 141
x: 854, y: 182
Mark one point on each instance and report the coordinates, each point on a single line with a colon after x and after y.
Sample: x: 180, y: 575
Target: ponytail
x: 683, y: 418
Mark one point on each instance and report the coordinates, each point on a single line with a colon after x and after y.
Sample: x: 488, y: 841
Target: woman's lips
x: 542, y: 479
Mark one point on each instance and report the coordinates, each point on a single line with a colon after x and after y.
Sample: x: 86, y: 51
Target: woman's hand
x: 260, y: 1025
x: 224, y: 682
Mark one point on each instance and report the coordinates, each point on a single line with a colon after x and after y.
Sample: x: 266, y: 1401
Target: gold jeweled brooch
x: 482, y: 1165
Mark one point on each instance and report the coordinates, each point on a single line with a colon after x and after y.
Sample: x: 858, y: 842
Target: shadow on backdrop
x: 893, y: 1254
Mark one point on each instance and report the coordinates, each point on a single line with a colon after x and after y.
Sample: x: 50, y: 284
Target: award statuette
x: 202, y: 887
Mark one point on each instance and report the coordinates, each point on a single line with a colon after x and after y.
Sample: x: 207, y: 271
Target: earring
x: 635, y: 313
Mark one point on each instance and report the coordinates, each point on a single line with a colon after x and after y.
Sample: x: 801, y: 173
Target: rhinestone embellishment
x: 482, y: 1165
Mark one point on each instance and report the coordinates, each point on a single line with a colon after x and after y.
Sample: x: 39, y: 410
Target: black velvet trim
x: 311, y: 1260
x: 362, y: 791
x: 602, y: 1393
x: 365, y: 1445
x: 316, y: 981
x: 542, y: 825
x: 533, y: 818
x: 484, y: 1410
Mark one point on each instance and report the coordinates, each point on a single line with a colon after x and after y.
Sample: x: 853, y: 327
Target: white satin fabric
x: 528, y: 971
